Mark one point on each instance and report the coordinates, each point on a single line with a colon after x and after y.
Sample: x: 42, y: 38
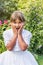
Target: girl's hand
x: 20, y: 29
x: 14, y: 28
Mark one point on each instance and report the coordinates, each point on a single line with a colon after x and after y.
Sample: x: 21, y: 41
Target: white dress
x: 17, y: 56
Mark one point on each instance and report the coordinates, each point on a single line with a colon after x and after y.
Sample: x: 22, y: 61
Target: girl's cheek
x: 19, y: 24
x: 22, y: 24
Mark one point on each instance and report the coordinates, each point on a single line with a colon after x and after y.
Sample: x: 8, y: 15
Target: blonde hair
x: 17, y: 15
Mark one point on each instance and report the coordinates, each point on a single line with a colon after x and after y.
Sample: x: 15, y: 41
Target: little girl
x: 17, y: 41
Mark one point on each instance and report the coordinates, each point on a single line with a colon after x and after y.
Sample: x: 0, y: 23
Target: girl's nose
x: 17, y: 24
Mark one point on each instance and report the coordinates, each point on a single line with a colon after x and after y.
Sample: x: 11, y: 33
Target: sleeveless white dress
x: 17, y: 56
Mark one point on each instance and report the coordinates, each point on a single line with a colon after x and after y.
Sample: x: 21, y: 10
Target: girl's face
x: 18, y: 23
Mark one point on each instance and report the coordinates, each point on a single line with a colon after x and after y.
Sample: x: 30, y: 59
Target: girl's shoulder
x: 7, y: 31
x: 26, y: 32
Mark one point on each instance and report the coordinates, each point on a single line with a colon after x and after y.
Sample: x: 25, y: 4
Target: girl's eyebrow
x: 20, y: 21
x: 16, y: 22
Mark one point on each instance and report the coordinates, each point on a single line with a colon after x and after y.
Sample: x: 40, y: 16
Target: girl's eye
x: 14, y: 22
x: 20, y: 22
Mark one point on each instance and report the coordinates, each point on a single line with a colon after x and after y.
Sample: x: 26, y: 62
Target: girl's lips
x: 17, y: 28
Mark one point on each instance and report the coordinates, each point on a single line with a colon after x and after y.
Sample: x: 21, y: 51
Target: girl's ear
x: 23, y: 24
x: 9, y: 24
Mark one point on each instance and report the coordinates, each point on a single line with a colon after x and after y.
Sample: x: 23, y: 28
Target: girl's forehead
x: 17, y: 21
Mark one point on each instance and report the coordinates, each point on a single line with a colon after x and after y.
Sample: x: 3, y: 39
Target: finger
x: 20, y: 28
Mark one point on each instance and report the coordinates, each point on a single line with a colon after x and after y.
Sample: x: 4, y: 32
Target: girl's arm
x: 11, y: 43
x: 22, y: 43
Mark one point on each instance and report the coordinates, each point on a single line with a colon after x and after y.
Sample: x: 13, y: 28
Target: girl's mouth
x: 17, y: 28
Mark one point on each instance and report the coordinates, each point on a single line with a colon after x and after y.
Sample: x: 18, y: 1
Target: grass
x: 39, y: 59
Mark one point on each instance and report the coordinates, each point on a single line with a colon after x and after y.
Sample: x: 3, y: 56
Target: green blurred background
x: 33, y: 13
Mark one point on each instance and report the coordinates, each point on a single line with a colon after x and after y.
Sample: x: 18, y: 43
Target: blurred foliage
x: 33, y: 13
x: 7, y: 7
x: 2, y: 29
